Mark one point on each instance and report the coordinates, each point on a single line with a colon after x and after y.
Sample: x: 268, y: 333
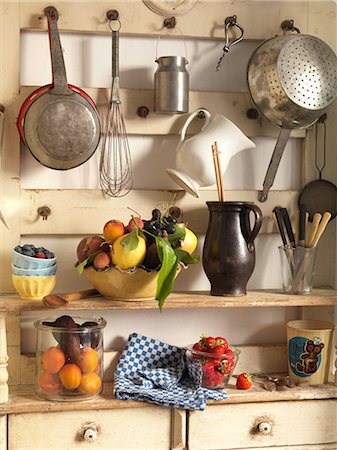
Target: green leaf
x: 167, y: 273
x: 130, y: 242
x: 87, y: 262
x: 178, y: 235
x: 185, y: 257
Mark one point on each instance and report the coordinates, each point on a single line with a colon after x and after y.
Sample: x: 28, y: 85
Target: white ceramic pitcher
x: 194, y: 165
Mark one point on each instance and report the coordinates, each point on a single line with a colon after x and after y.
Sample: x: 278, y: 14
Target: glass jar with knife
x: 299, y: 250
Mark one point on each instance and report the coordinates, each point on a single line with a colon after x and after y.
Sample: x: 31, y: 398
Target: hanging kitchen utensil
x: 171, y: 83
x: 115, y: 162
x: 59, y: 123
x: 292, y: 79
x: 230, y: 22
x: 319, y: 195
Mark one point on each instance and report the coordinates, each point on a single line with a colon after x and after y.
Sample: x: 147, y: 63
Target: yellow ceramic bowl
x: 118, y: 284
x: 33, y: 288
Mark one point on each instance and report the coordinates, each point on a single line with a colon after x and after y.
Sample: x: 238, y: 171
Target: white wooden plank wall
x: 70, y: 209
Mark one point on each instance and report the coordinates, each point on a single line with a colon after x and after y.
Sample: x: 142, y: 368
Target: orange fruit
x: 89, y: 361
x: 70, y: 376
x: 50, y: 382
x: 90, y: 383
x: 53, y: 360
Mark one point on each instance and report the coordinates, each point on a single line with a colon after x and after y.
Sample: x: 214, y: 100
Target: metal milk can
x: 171, y: 85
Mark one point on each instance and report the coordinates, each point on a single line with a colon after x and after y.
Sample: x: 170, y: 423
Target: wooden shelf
x: 23, y: 398
x: 182, y: 300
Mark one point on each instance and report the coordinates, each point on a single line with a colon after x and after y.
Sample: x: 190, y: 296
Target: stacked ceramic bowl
x: 33, y: 271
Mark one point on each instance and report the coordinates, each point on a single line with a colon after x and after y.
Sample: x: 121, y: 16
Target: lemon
x: 124, y: 260
x: 190, y: 241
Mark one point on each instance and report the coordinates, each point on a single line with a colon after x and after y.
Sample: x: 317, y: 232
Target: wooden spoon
x: 54, y: 300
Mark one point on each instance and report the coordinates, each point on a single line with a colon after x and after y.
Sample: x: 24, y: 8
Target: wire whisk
x: 116, y: 178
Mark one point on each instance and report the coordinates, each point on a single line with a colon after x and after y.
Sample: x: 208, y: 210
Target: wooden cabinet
x: 95, y: 429
x: 300, y: 418
x: 264, y: 425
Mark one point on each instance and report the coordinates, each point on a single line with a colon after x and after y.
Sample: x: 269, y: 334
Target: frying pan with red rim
x: 59, y: 123
x: 320, y: 195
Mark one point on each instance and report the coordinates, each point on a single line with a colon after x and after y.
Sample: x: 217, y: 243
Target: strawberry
x: 211, y: 377
x: 244, y: 381
x: 198, y: 347
x: 221, y: 341
x: 210, y: 341
x: 218, y: 350
x: 40, y: 255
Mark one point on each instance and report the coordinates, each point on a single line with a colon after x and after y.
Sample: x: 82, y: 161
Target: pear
x: 125, y: 259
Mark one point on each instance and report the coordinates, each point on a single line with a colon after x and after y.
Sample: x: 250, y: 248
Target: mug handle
x: 257, y: 226
x: 189, y: 120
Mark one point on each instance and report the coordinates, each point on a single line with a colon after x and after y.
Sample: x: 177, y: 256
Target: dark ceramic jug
x: 229, y: 252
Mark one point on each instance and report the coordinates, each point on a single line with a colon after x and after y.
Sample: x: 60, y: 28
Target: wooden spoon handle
x: 72, y: 296
x: 315, y: 223
x: 323, y: 223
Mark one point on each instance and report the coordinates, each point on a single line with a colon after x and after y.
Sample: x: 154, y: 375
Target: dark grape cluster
x: 159, y: 224
x: 35, y: 252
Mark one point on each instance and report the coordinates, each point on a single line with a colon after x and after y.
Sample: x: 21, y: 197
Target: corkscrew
x: 229, y: 23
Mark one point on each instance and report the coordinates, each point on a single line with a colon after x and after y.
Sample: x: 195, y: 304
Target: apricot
x: 87, y: 246
x: 70, y: 376
x: 126, y: 260
x: 90, y: 383
x: 53, y: 359
x: 101, y: 261
x: 89, y: 361
x: 50, y: 382
x: 112, y: 230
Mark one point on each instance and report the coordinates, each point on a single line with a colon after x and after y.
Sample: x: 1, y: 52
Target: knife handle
x: 301, y: 226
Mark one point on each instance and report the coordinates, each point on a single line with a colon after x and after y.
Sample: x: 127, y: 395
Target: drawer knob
x: 264, y: 428
x: 90, y: 435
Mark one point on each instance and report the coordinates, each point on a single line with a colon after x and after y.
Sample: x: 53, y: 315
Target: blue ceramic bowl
x: 45, y: 272
x: 29, y: 262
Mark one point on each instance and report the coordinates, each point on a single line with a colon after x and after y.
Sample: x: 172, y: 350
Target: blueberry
x: 18, y: 249
x: 171, y: 219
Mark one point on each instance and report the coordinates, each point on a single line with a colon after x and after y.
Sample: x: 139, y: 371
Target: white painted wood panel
x: 116, y: 429
x: 235, y: 426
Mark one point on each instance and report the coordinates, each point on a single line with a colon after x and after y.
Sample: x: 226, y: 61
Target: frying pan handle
x: 60, y: 83
x: 274, y: 163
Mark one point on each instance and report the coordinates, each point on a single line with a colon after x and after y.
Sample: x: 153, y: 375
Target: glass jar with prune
x: 69, y: 357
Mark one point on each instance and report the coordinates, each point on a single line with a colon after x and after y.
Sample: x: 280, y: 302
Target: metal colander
x: 292, y: 80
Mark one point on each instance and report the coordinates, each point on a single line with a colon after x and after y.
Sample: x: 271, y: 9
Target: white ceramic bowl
x: 29, y: 262
x: 45, y: 272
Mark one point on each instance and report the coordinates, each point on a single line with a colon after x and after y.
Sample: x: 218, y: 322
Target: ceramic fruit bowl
x: 30, y: 262
x: 44, y: 272
x: 214, y: 370
x: 117, y: 284
x: 33, y: 288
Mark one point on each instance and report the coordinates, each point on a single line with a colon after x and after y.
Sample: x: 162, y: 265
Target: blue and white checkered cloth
x: 152, y: 371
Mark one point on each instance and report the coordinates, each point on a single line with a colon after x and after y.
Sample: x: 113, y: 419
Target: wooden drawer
x: 283, y: 423
x: 140, y: 428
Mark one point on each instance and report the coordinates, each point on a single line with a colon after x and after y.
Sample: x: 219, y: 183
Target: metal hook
x: 170, y: 22
x: 288, y: 25
x: 230, y: 22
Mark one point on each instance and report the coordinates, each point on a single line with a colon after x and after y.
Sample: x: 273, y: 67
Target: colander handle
x: 274, y: 163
